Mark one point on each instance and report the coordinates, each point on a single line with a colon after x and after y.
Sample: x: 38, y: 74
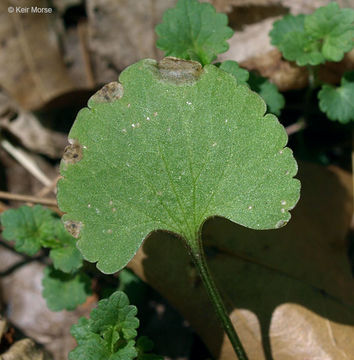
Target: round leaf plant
x: 171, y: 145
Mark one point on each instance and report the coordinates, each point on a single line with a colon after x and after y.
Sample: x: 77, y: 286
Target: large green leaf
x: 170, y: 147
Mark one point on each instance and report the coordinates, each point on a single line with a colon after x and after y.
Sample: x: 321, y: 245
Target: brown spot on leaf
x: 110, y: 92
x: 280, y: 224
x: 178, y: 70
x: 73, y: 227
x: 73, y: 152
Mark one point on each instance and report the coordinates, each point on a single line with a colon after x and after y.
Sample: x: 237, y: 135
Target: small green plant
x: 64, y: 291
x: 338, y: 102
x: 110, y: 333
x: 194, y: 31
x: 311, y: 40
x: 325, y: 35
x: 34, y: 227
x: 65, y: 286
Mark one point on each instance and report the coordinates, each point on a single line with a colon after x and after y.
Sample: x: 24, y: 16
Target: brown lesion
x: 73, y: 227
x: 73, y: 152
x: 179, y: 71
x: 110, y: 92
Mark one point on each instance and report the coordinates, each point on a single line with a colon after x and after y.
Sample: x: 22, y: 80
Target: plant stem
x: 198, y: 255
x: 303, y: 120
x: 353, y: 166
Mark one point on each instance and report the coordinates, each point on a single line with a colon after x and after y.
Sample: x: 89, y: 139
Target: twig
x: 26, y: 161
x: 352, y: 225
x: 47, y: 189
x: 27, y: 198
x: 296, y: 127
x: 3, y: 207
x: 82, y: 33
x: 19, y: 264
x: 11, y: 248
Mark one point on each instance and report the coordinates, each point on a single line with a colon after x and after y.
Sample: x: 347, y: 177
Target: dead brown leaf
x: 290, y: 292
x: 22, y: 292
x: 63, y: 5
x: 294, y: 6
x: 34, y: 136
x: 250, y: 45
x: 25, y: 349
x: 286, y: 75
x: 31, y: 67
x: 122, y: 32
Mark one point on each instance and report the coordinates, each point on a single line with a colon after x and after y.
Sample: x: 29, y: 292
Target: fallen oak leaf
x: 274, y: 282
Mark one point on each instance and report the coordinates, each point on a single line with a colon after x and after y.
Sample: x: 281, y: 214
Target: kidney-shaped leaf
x: 170, y: 146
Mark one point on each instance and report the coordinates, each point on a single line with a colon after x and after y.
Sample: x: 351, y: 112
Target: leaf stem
x: 302, y: 122
x: 198, y: 255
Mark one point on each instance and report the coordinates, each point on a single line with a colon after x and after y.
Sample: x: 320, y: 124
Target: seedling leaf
x: 144, y: 346
x: 66, y: 257
x: 109, y: 333
x: 338, y: 102
x: 334, y: 27
x: 65, y: 291
x: 233, y: 68
x: 28, y: 227
x: 325, y: 35
x: 297, y: 46
x: 181, y: 145
x: 193, y: 31
x: 287, y: 24
x: 269, y: 92
x: 34, y: 227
